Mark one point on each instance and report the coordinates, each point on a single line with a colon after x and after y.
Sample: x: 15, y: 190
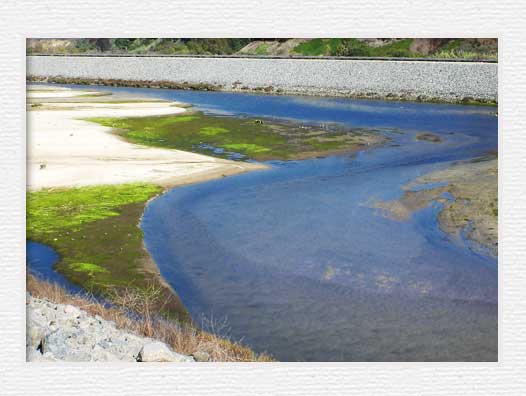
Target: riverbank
x: 272, y: 90
x: 87, y: 189
x: 471, y: 209
x: 66, y: 151
x: 70, y: 327
x: 451, y: 82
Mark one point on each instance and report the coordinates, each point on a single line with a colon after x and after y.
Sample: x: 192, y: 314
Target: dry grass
x: 134, y: 311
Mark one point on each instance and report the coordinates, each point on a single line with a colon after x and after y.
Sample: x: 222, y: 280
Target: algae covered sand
x: 241, y: 138
x: 471, y: 212
x: 95, y: 231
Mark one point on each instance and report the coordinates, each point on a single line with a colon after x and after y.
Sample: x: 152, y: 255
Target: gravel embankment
x: 407, y: 80
x: 57, y: 332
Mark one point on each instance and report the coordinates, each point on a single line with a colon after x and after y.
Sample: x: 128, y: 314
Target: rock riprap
x: 57, y: 332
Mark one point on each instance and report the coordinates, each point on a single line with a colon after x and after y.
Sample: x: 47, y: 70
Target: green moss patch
x: 262, y: 49
x: 212, y: 131
x: 49, y: 211
x: 95, y: 231
x: 248, y: 148
x: 236, y: 137
x: 317, y: 47
x: 353, y: 47
x: 89, y: 268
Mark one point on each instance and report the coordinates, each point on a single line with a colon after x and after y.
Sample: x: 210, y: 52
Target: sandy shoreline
x: 66, y: 151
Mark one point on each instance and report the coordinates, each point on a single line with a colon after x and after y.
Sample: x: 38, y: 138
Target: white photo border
x: 272, y: 18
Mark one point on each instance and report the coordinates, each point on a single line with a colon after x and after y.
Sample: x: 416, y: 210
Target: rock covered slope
x: 57, y: 332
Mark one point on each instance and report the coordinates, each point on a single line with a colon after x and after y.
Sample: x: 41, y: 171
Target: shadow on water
x: 300, y: 264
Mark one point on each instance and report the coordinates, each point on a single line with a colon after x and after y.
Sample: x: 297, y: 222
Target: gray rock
x: 99, y: 354
x: 57, y: 332
x: 72, y: 311
x: 156, y: 351
x: 201, y: 356
x: 448, y: 81
x: 35, y: 334
x: 61, y: 343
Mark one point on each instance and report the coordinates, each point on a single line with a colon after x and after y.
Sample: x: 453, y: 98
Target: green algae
x: 89, y: 268
x: 51, y: 210
x: 95, y: 231
x: 247, y: 148
x: 212, y: 131
x: 226, y: 137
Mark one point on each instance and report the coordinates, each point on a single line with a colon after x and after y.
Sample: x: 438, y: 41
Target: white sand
x: 59, y: 94
x: 75, y: 152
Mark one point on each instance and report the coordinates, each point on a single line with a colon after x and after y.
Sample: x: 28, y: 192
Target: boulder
x: 57, y: 332
x: 201, y: 356
x: 156, y: 351
x: 72, y: 311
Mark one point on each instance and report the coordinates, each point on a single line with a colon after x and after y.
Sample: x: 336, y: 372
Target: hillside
x: 470, y: 48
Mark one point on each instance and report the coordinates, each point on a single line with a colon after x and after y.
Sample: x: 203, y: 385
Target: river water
x: 295, y: 260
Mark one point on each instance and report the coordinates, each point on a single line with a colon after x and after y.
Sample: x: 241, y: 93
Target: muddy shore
x: 471, y: 213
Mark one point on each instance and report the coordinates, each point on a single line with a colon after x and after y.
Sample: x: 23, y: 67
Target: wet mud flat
x: 468, y: 193
x: 244, y: 138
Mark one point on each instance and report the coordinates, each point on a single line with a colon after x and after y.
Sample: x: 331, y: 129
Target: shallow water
x: 300, y: 265
x: 41, y: 259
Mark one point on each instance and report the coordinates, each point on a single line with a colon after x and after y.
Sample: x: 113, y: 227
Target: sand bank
x: 64, y: 150
x: 473, y: 209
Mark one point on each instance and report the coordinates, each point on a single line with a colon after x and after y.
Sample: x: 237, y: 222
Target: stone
x: 201, y: 356
x: 71, y: 310
x: 156, y: 351
x: 57, y: 332
x: 59, y: 343
x: 34, y: 334
x: 99, y: 354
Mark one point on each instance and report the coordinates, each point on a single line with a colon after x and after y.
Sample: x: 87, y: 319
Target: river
x: 296, y: 260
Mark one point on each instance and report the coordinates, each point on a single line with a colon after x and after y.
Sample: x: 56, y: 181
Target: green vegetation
x: 212, y: 131
x: 353, y: 47
x: 87, y: 267
x: 227, y: 137
x: 95, y: 231
x: 467, y: 49
x: 51, y: 211
x: 262, y: 49
x: 246, y: 148
x: 317, y: 47
x: 446, y: 48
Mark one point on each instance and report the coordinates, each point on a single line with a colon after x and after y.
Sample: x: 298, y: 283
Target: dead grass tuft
x: 138, y: 311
